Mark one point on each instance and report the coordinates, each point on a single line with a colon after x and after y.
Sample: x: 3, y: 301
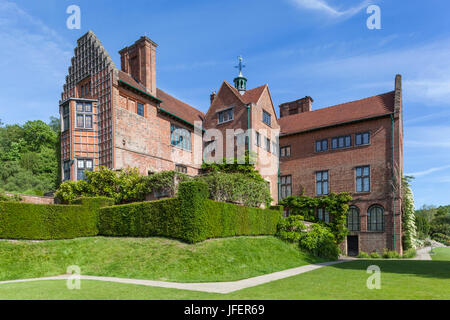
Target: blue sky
x: 320, y: 48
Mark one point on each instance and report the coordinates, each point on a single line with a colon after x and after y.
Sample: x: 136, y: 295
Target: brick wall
x: 35, y: 199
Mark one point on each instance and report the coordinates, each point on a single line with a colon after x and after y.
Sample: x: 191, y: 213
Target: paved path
x: 211, y: 287
x: 423, y: 254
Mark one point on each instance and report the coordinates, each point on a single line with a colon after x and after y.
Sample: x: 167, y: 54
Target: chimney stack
x: 296, y: 107
x: 139, y: 61
x: 398, y: 93
x: 213, y: 96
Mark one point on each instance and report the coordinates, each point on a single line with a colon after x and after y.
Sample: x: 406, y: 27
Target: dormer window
x: 226, y: 116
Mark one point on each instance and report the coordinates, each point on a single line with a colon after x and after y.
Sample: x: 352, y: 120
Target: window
x: 140, y: 109
x: 341, y: 142
x: 267, y: 118
x: 322, y: 183
x: 375, y: 219
x: 84, y: 115
x: 84, y: 165
x: 322, y: 145
x: 258, y: 139
x: 66, y: 117
x: 66, y: 170
x: 267, y: 144
x: 180, y: 137
x: 274, y: 148
x: 363, y: 179
x: 285, y: 152
x: 362, y: 138
x: 353, y: 219
x: 226, y: 116
x: 323, y: 215
x: 286, y: 186
x: 181, y: 169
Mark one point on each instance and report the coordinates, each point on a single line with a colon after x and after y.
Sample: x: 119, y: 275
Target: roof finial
x: 240, y: 82
x: 240, y: 66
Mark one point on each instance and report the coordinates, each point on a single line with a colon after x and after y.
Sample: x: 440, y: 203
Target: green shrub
x: 363, y: 255
x: 290, y: 229
x: 45, y: 222
x: 228, y: 220
x: 190, y: 217
x: 143, y: 219
x: 387, y: 254
x: 375, y: 255
x: 237, y: 187
x: 320, y: 242
x: 13, y: 198
x: 410, y: 253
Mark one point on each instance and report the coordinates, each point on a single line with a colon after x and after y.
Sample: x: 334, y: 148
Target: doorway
x: 352, y: 246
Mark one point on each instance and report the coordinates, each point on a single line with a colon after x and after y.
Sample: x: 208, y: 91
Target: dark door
x: 352, y: 246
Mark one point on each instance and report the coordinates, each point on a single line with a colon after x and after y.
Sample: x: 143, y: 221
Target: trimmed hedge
x: 191, y: 217
x: 143, y: 219
x: 26, y: 221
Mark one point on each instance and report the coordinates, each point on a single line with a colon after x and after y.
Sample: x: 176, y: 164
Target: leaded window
x: 140, y: 109
x: 286, y: 186
x: 226, y: 116
x: 323, y: 215
x: 267, y: 118
x: 322, y: 183
x: 362, y: 138
x: 84, y: 165
x: 285, y: 152
x: 363, y: 179
x: 375, y: 219
x: 180, y: 137
x: 353, y: 219
x: 322, y: 145
x: 84, y: 115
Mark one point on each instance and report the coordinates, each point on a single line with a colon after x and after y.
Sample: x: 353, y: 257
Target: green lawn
x: 399, y: 280
x: 151, y: 259
x: 442, y: 254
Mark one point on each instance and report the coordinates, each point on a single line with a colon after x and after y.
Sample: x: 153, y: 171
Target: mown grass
x: 411, y: 280
x: 441, y: 254
x: 151, y: 259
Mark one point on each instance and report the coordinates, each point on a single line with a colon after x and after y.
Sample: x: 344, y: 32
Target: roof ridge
x: 188, y: 105
x: 342, y: 104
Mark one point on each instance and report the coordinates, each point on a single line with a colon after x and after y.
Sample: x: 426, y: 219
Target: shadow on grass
x: 427, y: 269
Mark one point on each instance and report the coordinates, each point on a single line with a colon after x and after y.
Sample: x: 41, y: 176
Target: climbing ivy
x: 337, y: 206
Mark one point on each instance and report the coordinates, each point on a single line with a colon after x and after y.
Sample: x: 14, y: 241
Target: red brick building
x: 356, y: 147
x: 121, y: 119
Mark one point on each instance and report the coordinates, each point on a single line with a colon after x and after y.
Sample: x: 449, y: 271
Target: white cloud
x: 35, y: 59
x: 428, y: 171
x: 323, y: 6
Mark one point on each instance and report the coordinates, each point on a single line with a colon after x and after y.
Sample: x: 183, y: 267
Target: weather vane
x: 240, y: 66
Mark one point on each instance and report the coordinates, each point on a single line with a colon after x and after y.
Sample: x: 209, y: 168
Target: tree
x: 410, y: 238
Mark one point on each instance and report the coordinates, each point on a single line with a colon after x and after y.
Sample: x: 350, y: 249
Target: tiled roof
x: 379, y: 105
x: 251, y: 95
x: 170, y: 104
x: 179, y: 108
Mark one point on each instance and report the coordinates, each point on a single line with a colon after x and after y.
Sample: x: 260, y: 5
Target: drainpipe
x: 393, y: 177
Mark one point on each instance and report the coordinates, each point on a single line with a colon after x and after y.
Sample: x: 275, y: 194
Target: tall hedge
x: 25, y: 221
x: 191, y: 217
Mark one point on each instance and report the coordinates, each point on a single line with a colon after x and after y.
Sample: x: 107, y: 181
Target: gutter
x: 141, y: 91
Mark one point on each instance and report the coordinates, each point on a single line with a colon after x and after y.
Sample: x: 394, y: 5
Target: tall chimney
x: 213, y: 96
x: 139, y: 61
x: 296, y: 107
x: 398, y: 93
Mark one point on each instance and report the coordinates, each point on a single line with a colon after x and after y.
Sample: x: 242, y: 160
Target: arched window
x: 375, y: 219
x: 353, y: 219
